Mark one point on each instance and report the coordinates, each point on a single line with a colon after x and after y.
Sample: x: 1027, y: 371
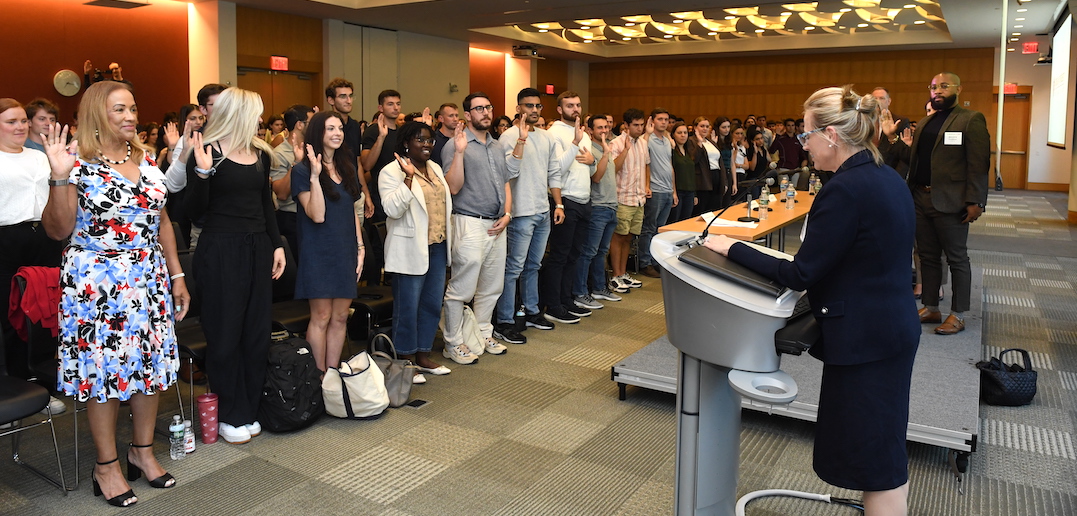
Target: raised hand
x: 405, y: 165
x: 87, y: 67
x: 315, y: 163
x: 171, y: 135
x: 578, y: 133
x: 298, y: 148
x: 650, y: 125
x: 62, y: 156
x: 427, y: 119
x: 459, y: 138
x: 887, y: 124
x: 521, y: 124
x: 906, y: 136
x: 383, y: 127
x: 203, y: 156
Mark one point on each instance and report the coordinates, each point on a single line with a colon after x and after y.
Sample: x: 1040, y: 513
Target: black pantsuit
x: 566, y: 243
x: 233, y: 272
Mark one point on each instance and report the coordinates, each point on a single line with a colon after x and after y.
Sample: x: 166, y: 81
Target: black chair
x: 21, y: 399
x: 293, y: 314
x: 373, y: 306
x: 189, y: 337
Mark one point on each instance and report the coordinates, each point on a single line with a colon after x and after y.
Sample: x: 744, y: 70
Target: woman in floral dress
x: 119, y: 303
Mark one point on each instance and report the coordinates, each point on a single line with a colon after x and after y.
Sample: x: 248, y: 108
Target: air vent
x: 119, y: 4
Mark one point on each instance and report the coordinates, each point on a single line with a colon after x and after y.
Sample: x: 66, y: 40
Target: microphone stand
x: 771, y: 174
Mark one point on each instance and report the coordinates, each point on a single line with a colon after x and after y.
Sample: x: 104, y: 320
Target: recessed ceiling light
x: 809, y: 28
x: 626, y: 39
x: 1014, y: 39
x: 909, y: 6
x: 1016, y: 34
x: 712, y: 33
x: 629, y: 24
x: 678, y: 20
x: 731, y: 17
x: 845, y: 10
x: 787, y: 13
x: 1018, y: 26
x: 1009, y: 50
x: 1018, y: 19
x: 919, y: 22
x: 544, y: 30
x: 667, y: 36
x: 586, y: 41
x: 861, y: 25
x: 1022, y: 10
x: 759, y: 31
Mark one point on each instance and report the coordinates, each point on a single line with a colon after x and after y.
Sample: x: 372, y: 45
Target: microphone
x: 768, y: 177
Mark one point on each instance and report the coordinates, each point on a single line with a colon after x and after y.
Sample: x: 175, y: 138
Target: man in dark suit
x: 892, y: 158
x: 949, y: 162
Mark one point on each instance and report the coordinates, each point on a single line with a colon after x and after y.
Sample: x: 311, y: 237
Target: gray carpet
x: 540, y: 431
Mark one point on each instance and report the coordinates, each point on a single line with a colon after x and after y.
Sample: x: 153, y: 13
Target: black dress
x: 329, y: 250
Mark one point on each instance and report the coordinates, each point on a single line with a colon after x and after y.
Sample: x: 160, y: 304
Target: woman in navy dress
x: 854, y: 264
x: 325, y: 185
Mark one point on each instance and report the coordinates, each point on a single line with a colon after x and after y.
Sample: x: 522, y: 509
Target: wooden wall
x: 551, y: 71
x: 42, y: 38
x: 777, y: 86
x: 261, y: 34
x: 486, y: 74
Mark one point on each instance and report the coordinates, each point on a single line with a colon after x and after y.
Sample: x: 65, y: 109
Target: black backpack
x: 292, y: 395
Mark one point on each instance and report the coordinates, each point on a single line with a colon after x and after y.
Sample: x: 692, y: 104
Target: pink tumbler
x: 207, y: 417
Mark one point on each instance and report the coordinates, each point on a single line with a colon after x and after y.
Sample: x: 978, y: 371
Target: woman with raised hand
x: 239, y: 253
x: 417, y: 204
x: 122, y: 283
x: 325, y: 184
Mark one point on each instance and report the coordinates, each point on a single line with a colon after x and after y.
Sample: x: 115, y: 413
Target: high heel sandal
x: 134, y: 472
x: 123, y: 500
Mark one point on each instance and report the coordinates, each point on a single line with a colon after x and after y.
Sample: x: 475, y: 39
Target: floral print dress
x: 116, y: 315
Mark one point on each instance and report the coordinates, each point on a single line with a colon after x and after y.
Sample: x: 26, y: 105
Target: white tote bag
x: 356, y: 390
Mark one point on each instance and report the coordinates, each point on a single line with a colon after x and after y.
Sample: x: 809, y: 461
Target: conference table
x: 777, y: 220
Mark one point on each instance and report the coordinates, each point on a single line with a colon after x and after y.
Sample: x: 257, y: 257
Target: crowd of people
x: 513, y: 216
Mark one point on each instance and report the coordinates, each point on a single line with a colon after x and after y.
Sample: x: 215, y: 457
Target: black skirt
x: 863, y: 418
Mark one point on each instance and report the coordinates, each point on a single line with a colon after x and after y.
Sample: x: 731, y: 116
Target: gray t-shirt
x: 485, y: 174
x: 285, y: 156
x: 604, y: 192
x: 661, y: 150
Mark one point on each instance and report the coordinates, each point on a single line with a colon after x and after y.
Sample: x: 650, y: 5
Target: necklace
x: 125, y: 159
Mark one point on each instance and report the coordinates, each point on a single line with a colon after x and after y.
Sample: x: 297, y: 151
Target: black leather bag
x: 1007, y: 384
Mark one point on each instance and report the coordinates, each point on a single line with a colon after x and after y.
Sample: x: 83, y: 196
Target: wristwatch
x: 559, y: 206
x: 59, y: 182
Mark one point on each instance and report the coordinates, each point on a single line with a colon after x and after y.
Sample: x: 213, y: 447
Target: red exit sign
x: 279, y: 63
x: 1030, y: 47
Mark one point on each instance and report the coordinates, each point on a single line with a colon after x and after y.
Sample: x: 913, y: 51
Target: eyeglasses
x: 425, y: 141
x: 803, y: 137
x: 482, y: 109
x: 941, y: 86
x: 531, y: 106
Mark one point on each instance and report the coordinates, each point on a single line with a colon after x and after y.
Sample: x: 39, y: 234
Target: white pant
x: 478, y: 271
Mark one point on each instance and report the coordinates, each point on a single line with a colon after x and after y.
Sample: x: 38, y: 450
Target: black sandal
x: 134, y: 472
x: 123, y: 500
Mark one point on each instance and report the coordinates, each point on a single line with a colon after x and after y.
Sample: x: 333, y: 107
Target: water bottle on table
x: 790, y: 198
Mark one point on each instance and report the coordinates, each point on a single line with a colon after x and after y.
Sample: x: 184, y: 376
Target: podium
x: 725, y: 334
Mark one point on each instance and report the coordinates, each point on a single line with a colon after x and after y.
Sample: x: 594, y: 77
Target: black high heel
x: 134, y: 472
x: 123, y: 500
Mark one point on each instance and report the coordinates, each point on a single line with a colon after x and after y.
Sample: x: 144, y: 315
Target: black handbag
x: 1007, y: 384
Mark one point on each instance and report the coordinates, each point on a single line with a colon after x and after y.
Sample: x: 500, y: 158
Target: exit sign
x: 549, y: 89
x: 1009, y: 88
x: 279, y: 63
x: 1030, y: 47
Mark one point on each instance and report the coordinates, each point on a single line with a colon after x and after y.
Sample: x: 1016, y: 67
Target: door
x: 279, y: 90
x: 1017, y: 113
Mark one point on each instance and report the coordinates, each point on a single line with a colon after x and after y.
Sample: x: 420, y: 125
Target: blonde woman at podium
x: 854, y: 265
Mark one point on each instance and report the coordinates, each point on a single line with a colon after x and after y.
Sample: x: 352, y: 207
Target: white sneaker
x: 418, y: 379
x: 605, y: 294
x: 586, y: 301
x: 254, y: 428
x: 630, y: 281
x: 460, y: 354
x: 618, y: 285
x: 233, y: 434
x: 56, y: 405
x: 494, y: 347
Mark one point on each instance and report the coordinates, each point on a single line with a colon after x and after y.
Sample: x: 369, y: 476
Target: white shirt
x: 576, y: 179
x: 24, y: 186
x: 176, y: 176
x: 714, y: 156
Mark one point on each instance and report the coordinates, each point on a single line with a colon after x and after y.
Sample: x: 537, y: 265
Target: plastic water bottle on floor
x: 790, y: 197
x: 188, y: 437
x: 175, y: 438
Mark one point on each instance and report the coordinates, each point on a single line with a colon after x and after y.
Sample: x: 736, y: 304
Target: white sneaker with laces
x: 630, y: 281
x: 460, y: 354
x: 494, y: 347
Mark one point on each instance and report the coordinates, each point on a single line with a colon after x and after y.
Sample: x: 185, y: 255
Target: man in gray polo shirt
x: 663, y: 195
x: 477, y: 174
x: 603, y: 220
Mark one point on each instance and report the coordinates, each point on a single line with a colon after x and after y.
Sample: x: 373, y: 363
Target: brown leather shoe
x: 651, y: 272
x: 951, y: 326
x: 927, y: 316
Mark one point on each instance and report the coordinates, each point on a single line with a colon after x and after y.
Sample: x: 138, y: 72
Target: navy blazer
x: 854, y: 263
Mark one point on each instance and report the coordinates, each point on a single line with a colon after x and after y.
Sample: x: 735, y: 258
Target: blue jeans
x: 526, y: 243
x: 686, y: 200
x: 655, y: 213
x: 417, y: 304
x: 593, y: 256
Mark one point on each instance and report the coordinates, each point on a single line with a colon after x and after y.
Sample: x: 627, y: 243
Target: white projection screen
x: 1060, y: 74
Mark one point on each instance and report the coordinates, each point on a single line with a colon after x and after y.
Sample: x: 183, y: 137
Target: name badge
x: 951, y: 138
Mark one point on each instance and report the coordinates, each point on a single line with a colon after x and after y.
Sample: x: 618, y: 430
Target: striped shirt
x: 632, y: 178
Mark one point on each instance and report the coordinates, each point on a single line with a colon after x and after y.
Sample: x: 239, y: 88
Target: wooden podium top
x: 777, y: 219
